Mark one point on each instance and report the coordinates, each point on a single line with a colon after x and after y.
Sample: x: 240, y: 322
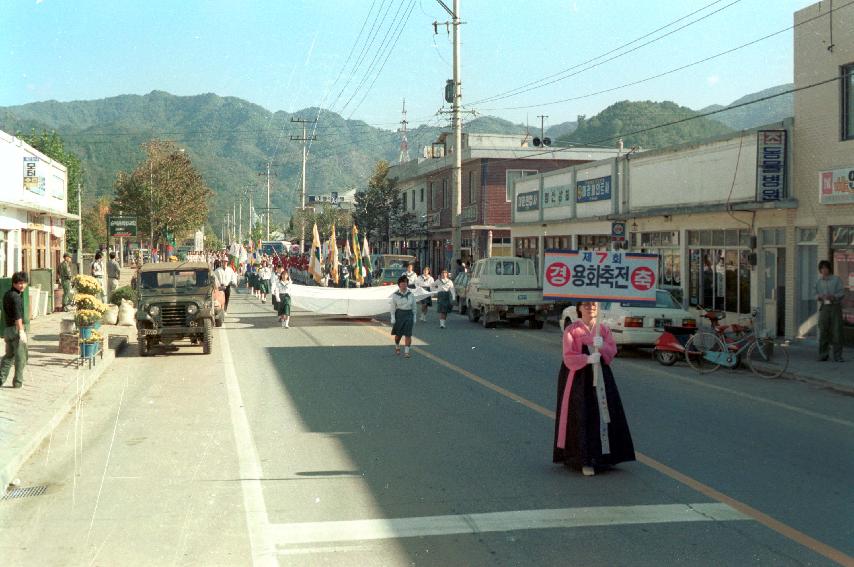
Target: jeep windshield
x: 187, y: 279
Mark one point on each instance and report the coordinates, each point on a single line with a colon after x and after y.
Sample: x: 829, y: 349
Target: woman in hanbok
x: 425, y: 282
x: 282, y: 297
x: 591, y: 432
x: 446, y: 297
x: 402, y: 315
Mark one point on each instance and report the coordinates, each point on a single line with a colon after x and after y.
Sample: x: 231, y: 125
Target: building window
x: 404, y: 201
x: 446, y: 195
x: 422, y: 194
x: 413, y: 198
x: 666, y: 245
x: 471, y: 186
x: 513, y: 175
x: 848, y: 102
x: 432, y: 197
x: 719, y: 269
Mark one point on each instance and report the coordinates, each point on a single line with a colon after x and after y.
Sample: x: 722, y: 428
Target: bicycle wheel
x: 768, y: 358
x: 704, y: 352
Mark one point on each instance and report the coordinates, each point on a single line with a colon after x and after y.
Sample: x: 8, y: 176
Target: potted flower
x: 87, y: 285
x: 85, y: 320
x: 89, y: 346
x: 86, y: 301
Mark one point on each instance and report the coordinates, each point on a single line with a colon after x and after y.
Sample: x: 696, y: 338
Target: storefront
x: 719, y: 270
x: 665, y: 244
x: 842, y: 251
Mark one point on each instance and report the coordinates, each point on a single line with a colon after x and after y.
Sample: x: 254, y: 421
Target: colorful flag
x: 358, y: 269
x: 348, y: 254
x: 366, y: 255
x: 333, y: 256
x: 315, y: 264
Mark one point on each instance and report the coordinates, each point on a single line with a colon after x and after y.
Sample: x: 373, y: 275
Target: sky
x: 346, y: 54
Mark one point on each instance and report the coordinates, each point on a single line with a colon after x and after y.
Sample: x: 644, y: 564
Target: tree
x: 51, y: 145
x: 375, y: 208
x: 165, y: 192
x: 325, y: 215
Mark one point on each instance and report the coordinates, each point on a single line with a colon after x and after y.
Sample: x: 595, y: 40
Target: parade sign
x: 580, y: 275
x: 836, y: 186
x: 122, y: 227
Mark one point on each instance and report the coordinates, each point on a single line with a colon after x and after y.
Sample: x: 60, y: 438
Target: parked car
x: 460, y: 283
x: 506, y: 288
x: 387, y: 276
x: 636, y: 323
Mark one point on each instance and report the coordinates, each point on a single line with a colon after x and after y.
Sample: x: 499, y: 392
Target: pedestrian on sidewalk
x: 402, y: 315
x: 425, y: 282
x: 591, y: 431
x: 829, y: 292
x: 222, y: 282
x: 14, y: 333
x: 97, y: 272
x: 282, y: 298
x: 446, y: 297
x: 65, y: 274
x: 114, y: 273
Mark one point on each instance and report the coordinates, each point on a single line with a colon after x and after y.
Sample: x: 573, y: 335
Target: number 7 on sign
x: 602, y: 256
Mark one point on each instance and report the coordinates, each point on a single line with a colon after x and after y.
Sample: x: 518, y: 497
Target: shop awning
x: 31, y: 208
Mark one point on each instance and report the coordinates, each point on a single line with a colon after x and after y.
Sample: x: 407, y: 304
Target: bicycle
x: 726, y: 345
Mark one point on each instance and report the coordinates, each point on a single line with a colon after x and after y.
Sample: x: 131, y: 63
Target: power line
x: 535, y: 84
x: 350, y: 54
x: 674, y: 70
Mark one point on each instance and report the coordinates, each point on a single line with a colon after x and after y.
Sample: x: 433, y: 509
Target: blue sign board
x: 590, y: 190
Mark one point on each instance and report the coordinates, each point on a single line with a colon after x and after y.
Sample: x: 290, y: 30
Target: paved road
x: 317, y: 446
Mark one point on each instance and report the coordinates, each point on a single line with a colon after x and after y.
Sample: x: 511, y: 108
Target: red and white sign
x: 580, y: 275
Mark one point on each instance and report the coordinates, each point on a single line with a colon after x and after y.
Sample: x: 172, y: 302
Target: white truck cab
x: 506, y: 288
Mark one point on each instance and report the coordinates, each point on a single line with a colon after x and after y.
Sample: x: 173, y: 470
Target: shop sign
x: 770, y: 165
x: 557, y: 196
x: 590, y: 190
x: 122, y: 227
x: 32, y: 180
x: 577, y: 275
x: 836, y: 186
x: 529, y: 201
x: 618, y: 232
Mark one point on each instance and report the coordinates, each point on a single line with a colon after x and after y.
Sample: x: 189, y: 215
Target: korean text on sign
x: 599, y: 276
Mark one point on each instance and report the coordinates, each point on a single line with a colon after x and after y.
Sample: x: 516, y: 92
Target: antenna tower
x: 404, y: 143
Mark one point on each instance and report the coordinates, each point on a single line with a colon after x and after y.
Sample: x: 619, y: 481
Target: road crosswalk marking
x: 305, y: 533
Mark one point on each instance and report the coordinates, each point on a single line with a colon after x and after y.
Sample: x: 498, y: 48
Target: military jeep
x: 176, y: 303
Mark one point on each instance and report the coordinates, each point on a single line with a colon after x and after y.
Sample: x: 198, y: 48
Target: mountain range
x: 231, y: 140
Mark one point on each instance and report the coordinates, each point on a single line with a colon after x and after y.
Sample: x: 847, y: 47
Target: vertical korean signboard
x: 770, y: 165
x: 580, y: 275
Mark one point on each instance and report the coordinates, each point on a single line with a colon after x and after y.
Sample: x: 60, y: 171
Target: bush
x: 120, y: 293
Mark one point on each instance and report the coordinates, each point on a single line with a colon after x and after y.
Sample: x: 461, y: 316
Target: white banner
x: 351, y: 302
x: 580, y: 275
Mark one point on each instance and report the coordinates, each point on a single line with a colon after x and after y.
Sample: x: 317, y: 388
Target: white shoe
x: 284, y: 324
x: 588, y: 471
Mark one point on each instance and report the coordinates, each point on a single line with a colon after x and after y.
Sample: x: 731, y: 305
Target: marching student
x: 411, y: 276
x: 402, y: 315
x: 282, y: 297
x: 446, y: 297
x: 264, y: 274
x: 425, y: 282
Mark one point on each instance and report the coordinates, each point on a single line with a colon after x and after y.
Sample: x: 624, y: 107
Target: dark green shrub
x: 120, y: 293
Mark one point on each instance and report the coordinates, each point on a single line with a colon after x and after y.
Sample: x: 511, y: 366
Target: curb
x: 61, y: 408
x: 827, y: 384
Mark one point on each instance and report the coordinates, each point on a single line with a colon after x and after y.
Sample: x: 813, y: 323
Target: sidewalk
x: 52, y: 386
x: 804, y: 366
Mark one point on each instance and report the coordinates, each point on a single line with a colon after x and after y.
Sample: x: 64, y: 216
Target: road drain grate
x: 24, y: 492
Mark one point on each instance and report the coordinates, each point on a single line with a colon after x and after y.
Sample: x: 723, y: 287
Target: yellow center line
x: 785, y: 530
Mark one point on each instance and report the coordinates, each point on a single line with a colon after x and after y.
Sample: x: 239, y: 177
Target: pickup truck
x: 506, y: 288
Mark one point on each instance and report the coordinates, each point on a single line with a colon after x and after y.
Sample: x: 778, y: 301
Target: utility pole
x: 240, y: 218
x: 304, y: 139
x: 79, y: 230
x: 542, y: 118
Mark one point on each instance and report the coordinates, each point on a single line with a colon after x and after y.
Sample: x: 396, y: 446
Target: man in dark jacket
x: 14, y: 333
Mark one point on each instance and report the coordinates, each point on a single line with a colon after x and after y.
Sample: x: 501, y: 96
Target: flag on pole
x: 348, y: 254
x: 366, y: 255
x: 315, y: 264
x: 333, y: 256
x: 358, y: 269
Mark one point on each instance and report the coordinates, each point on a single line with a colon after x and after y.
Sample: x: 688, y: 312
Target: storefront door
x: 774, y: 313
x: 807, y: 258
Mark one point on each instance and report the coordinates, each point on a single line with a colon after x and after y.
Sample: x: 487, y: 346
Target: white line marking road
x: 303, y: 533
x: 257, y: 522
